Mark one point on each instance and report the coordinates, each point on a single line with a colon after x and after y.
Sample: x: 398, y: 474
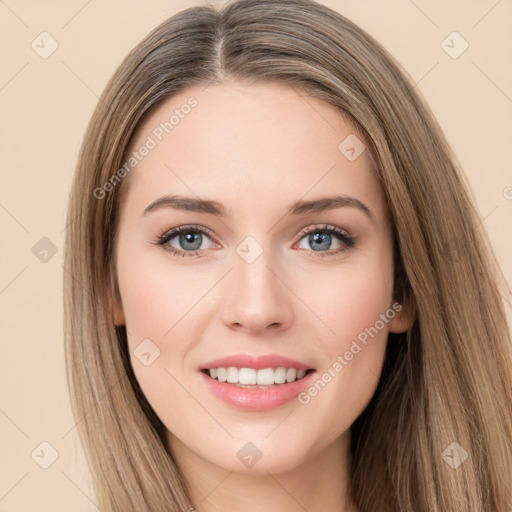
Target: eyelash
x: 347, y: 240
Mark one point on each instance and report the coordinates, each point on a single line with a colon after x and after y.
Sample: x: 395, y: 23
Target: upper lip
x: 256, y: 362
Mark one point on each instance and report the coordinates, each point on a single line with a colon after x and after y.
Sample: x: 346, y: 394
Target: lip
x: 256, y: 362
x: 256, y: 399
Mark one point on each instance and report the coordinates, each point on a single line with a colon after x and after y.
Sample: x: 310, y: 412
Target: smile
x: 252, y: 377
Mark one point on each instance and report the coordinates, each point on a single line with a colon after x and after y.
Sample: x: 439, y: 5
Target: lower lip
x: 257, y: 399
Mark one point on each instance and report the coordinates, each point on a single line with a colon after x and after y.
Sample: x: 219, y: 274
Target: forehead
x: 264, y: 142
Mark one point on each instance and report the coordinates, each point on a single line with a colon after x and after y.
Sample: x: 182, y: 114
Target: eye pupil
x: 320, y: 238
x: 190, y: 238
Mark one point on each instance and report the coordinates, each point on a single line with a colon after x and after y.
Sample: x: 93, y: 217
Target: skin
x: 256, y: 149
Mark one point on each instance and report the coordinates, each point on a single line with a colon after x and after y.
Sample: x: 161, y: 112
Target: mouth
x: 256, y: 382
x: 257, y: 389
x: 253, y: 378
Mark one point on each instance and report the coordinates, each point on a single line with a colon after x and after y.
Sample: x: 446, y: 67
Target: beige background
x: 45, y: 105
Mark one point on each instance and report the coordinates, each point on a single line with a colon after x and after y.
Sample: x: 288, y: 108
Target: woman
x: 334, y: 338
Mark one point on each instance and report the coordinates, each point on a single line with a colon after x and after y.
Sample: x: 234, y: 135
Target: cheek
x: 360, y: 312
x: 155, y: 296
x: 350, y: 301
x: 155, y: 316
x: 152, y: 313
x: 162, y: 307
x: 354, y: 307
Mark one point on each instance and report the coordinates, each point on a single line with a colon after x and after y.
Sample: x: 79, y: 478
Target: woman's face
x: 244, y: 171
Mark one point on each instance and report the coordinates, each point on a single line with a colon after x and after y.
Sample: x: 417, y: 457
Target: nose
x: 257, y: 296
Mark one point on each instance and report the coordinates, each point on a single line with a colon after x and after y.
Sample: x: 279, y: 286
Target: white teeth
x: 291, y: 374
x: 251, y: 376
x: 232, y: 375
x: 265, y: 377
x: 247, y: 376
x: 222, y: 374
x: 280, y: 376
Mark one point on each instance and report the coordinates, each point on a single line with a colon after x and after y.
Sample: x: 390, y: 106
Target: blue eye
x: 320, y: 238
x: 191, y: 238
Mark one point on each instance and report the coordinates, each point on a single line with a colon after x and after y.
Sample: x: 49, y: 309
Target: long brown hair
x: 446, y: 386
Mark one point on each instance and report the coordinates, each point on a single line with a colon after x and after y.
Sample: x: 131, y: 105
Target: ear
x: 404, y: 318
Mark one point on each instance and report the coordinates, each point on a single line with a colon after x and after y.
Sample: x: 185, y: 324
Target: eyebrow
x: 211, y: 207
